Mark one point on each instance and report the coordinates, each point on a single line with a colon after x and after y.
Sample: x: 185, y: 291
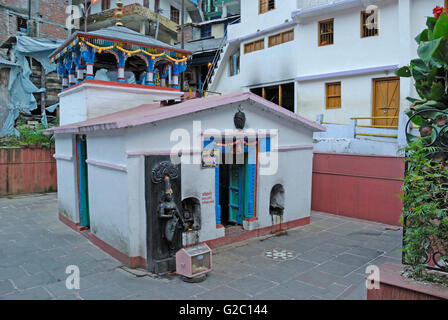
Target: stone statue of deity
x: 174, y: 224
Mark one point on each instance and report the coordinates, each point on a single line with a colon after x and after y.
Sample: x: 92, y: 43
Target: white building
x: 325, y: 60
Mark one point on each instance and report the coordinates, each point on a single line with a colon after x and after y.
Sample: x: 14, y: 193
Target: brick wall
x: 53, y: 10
x: 47, y: 10
x: 188, y: 34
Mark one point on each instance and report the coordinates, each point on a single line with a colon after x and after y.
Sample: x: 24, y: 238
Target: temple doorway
x: 237, y: 185
x: 83, y: 192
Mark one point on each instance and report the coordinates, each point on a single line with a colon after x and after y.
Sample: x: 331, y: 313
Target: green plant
x: 28, y: 136
x: 430, y: 74
x: 425, y: 186
x: 425, y: 209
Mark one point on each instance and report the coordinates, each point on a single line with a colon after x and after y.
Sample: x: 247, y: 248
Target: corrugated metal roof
x: 150, y: 113
x: 121, y: 34
x: 201, y: 46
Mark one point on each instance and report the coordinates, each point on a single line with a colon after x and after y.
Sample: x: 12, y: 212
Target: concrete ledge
x: 393, y: 286
x: 75, y: 226
x: 131, y: 262
x: 256, y: 233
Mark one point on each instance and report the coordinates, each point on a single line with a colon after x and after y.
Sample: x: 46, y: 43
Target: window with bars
x: 333, y: 95
x: 174, y: 15
x: 280, y: 38
x: 156, y: 5
x: 105, y: 4
x: 369, y: 23
x: 266, y: 5
x: 326, y: 32
x: 254, y: 46
x: 146, y: 3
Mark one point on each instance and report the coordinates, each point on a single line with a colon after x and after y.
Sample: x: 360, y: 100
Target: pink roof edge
x: 150, y: 113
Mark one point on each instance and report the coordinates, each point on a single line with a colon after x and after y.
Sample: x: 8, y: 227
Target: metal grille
x: 174, y: 15
x: 437, y: 134
x: 266, y: 5
x: 326, y: 32
x: 105, y: 4
x: 369, y: 24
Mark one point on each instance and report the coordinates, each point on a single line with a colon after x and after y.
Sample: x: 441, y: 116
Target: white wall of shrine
x: 116, y: 169
x: 91, y: 99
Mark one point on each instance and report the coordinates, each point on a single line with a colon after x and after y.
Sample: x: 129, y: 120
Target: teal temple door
x: 83, y: 185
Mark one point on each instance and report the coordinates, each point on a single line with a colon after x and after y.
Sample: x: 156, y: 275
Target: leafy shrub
x: 28, y: 136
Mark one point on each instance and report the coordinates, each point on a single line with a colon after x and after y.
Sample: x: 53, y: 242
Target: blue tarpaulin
x: 20, y: 87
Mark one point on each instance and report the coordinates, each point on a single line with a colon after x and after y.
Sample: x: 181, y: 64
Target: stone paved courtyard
x: 329, y: 258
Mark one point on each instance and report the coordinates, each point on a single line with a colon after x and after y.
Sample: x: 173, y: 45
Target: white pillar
x: 406, y: 40
x: 79, y: 75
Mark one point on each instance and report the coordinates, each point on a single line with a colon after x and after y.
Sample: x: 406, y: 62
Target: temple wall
x: 66, y: 177
x: 94, y: 98
x: 294, y: 170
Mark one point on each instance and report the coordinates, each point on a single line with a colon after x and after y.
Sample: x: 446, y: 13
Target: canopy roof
x: 121, y: 35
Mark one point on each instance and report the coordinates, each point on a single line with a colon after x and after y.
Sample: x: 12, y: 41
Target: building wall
x: 27, y: 170
x: 349, y: 51
x: 66, y: 176
x: 251, y: 20
x: 164, y: 5
x: 108, y: 192
x: 196, y: 181
x: 399, y: 22
x: 265, y: 67
x: 93, y: 100
x: 356, y: 98
x: 48, y: 15
x: 362, y: 187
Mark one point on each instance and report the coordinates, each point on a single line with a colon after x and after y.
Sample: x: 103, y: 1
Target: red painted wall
x: 27, y: 170
x: 358, y: 186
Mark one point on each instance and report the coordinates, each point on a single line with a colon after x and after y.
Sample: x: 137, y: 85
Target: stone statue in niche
x: 191, y: 210
x: 174, y: 221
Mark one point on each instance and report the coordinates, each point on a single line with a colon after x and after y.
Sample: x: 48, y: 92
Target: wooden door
x: 386, y: 101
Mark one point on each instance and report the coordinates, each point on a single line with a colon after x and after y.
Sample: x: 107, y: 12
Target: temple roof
x: 151, y: 113
x: 121, y: 34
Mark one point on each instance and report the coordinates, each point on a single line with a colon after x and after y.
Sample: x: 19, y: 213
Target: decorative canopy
x: 161, y: 63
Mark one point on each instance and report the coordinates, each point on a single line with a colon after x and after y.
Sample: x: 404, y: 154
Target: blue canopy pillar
x: 121, y: 65
x: 62, y: 72
x: 79, y: 66
x: 150, y: 71
x: 68, y: 64
x: 163, y: 71
x: 88, y: 55
x: 178, y: 68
